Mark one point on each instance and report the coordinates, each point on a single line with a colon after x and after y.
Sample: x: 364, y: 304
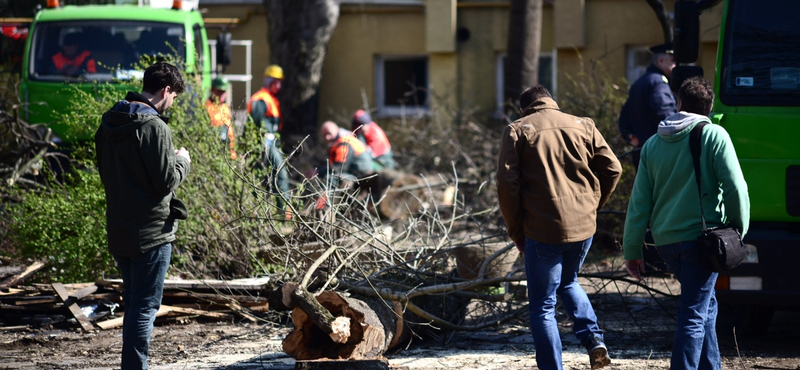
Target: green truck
x: 85, y: 45
x: 757, y: 88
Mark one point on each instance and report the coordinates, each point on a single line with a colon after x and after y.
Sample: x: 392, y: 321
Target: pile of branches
x: 23, y: 149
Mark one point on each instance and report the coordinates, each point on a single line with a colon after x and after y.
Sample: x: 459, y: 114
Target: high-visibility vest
x: 273, y: 105
x: 376, y: 139
x: 342, y: 147
x: 60, y: 61
x: 220, y: 115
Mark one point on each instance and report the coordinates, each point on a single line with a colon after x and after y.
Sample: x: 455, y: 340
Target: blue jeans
x: 553, y: 269
x: 695, y: 344
x: 143, y: 279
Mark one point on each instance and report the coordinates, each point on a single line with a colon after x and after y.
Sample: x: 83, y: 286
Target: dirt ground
x: 639, y: 332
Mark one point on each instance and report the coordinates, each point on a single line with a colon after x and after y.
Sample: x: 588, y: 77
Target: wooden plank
x: 36, y: 300
x: 192, y: 311
x: 243, y: 299
x: 83, y: 292
x: 117, y: 322
x: 73, y: 307
x: 11, y: 291
x: 21, y: 276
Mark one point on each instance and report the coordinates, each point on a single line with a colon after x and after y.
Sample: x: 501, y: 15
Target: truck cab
x: 83, y: 46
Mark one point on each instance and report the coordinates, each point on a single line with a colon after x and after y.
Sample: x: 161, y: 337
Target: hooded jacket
x: 139, y: 169
x: 554, y: 172
x: 665, y: 190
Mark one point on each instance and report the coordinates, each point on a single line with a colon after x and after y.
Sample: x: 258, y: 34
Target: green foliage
x: 230, y: 212
x: 64, y: 227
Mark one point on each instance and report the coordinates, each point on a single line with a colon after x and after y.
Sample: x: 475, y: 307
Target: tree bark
x: 524, y: 42
x: 374, y: 328
x: 299, y: 31
x: 663, y: 18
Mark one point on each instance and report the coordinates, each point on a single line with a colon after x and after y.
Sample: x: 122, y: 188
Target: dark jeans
x: 143, y: 279
x: 695, y: 344
x: 553, y: 269
x: 273, y: 162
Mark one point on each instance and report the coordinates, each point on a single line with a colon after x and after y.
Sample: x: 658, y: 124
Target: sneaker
x: 598, y: 353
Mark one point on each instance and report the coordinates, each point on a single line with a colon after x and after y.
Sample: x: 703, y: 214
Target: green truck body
x: 117, y: 37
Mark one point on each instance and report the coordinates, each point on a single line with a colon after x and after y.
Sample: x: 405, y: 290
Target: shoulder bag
x: 720, y: 249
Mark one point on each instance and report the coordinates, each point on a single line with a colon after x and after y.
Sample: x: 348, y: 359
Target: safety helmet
x: 220, y: 83
x: 274, y: 71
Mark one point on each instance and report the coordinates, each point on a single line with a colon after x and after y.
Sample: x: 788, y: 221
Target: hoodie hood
x: 126, y: 116
x: 678, y: 125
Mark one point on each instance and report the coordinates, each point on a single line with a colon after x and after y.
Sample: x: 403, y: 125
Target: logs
x: 375, y: 327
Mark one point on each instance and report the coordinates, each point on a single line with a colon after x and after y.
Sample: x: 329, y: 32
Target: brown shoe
x: 598, y: 353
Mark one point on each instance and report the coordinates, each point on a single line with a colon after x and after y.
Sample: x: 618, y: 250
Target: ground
x: 639, y: 333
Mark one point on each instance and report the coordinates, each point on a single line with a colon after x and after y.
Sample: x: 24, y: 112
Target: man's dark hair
x: 696, y: 96
x: 533, y: 94
x: 161, y: 75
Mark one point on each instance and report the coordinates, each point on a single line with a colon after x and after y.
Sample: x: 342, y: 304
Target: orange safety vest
x: 340, y: 149
x: 220, y: 115
x: 376, y: 139
x: 273, y: 105
x: 60, y: 61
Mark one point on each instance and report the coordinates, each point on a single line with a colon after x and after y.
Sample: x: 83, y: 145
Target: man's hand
x: 182, y: 152
x: 520, y: 244
x: 633, y: 139
x: 635, y: 268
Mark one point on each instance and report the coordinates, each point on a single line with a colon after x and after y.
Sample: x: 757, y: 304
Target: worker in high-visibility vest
x: 348, y: 157
x: 371, y: 134
x: 220, y: 113
x: 265, y: 111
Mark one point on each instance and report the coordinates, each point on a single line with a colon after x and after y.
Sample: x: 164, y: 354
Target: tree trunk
x: 524, y: 42
x: 299, y: 31
x: 663, y: 18
x: 375, y: 328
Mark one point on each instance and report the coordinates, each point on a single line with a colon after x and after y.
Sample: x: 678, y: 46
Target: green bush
x: 65, y: 227
x: 230, y: 211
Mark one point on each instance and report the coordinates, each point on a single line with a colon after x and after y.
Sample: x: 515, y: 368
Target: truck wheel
x: 748, y: 320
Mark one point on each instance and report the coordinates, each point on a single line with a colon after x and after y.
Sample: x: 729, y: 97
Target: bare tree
x: 524, y: 42
x: 299, y: 31
x: 663, y: 18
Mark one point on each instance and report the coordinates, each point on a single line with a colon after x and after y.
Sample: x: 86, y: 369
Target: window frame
x: 630, y: 62
x: 384, y: 110
x: 500, y: 83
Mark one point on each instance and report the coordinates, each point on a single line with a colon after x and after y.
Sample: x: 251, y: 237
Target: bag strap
x: 694, y: 145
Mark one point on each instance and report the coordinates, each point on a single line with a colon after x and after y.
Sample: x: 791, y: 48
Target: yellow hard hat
x: 274, y: 71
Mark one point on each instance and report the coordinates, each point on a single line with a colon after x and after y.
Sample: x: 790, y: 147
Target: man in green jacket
x: 665, y: 196
x: 140, y: 170
x: 554, y: 172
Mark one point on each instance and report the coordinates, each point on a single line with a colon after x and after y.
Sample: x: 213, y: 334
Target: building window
x: 638, y: 59
x: 547, y: 76
x: 401, y: 85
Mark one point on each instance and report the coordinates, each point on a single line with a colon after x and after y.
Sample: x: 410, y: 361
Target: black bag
x: 177, y: 209
x: 720, y: 249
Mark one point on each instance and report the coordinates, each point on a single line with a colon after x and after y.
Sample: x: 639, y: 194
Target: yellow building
x: 420, y: 56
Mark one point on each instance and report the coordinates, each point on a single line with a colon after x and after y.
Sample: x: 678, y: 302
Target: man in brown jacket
x: 554, y: 172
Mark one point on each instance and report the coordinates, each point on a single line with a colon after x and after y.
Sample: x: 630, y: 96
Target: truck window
x: 99, y: 50
x: 198, y: 47
x: 761, y: 54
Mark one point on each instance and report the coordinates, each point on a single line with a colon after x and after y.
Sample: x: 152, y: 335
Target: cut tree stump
x: 375, y: 327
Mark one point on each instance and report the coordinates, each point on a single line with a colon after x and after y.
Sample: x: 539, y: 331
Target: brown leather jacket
x: 554, y: 172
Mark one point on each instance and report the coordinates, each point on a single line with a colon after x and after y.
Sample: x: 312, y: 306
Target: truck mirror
x: 687, y: 31
x: 683, y: 73
x: 224, y: 48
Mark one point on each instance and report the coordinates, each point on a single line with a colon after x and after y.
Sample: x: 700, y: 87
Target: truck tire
x: 749, y: 320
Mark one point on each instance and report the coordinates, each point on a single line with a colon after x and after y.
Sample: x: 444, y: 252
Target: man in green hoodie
x: 665, y: 195
x: 140, y: 170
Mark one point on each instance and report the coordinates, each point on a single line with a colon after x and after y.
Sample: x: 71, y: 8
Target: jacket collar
x: 539, y: 104
x: 652, y: 68
x: 139, y: 98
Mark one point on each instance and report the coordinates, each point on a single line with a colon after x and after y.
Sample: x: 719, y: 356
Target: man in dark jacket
x: 554, y: 172
x: 650, y: 100
x: 140, y: 170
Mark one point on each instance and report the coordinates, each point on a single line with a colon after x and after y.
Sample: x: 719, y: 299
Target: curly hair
x: 696, y: 95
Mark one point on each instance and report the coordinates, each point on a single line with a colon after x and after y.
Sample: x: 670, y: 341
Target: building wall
x: 463, y: 79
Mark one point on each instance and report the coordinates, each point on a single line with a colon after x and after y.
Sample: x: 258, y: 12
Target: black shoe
x: 598, y: 353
